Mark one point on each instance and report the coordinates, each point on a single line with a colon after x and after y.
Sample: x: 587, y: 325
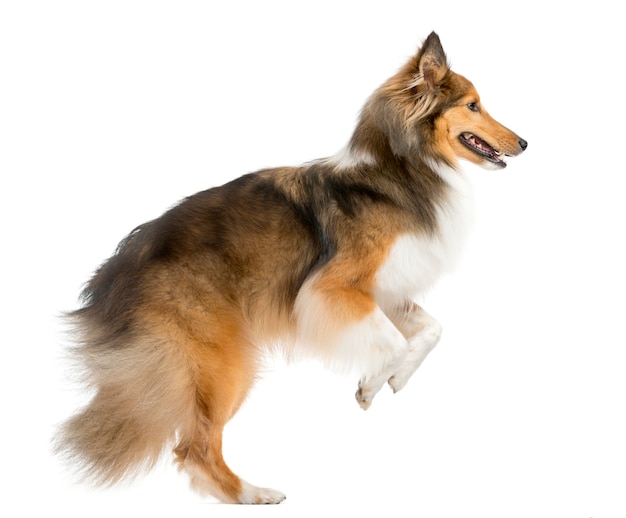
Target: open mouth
x: 479, y: 146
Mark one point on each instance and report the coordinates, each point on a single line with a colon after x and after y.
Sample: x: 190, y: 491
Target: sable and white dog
x: 322, y: 259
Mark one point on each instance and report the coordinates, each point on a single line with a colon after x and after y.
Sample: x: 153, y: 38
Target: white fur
x: 423, y: 332
x: 259, y: 495
x: 363, y: 346
x: 347, y: 158
x: 249, y: 494
x: 416, y: 261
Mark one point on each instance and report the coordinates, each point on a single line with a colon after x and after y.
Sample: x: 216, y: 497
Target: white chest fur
x: 415, y: 262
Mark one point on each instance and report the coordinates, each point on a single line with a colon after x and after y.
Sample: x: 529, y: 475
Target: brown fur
x: 174, y: 324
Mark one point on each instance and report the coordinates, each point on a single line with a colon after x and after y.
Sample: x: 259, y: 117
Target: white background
x: 112, y: 111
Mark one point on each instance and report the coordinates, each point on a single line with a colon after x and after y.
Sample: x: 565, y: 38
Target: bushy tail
x: 143, y: 391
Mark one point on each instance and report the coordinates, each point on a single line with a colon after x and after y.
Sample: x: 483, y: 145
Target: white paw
x: 364, y: 396
x: 259, y: 495
x: 399, y: 380
x: 368, y: 388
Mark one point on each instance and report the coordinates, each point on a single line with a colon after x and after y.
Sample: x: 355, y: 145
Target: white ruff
x: 415, y: 261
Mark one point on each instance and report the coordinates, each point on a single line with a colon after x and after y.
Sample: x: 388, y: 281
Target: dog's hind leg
x: 422, y: 332
x: 224, y: 372
x: 200, y: 455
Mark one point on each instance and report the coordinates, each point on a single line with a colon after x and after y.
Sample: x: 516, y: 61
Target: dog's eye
x: 473, y: 107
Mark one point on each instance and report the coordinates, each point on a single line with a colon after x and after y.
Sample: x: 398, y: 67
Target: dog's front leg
x: 422, y: 333
x: 347, y: 328
x: 390, y: 349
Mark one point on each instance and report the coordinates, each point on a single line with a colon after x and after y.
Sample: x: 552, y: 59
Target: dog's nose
x: 523, y: 144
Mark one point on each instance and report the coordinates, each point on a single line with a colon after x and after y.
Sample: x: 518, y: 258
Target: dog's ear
x: 432, y: 62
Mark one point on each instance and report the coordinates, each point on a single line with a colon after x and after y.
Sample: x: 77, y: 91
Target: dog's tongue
x: 482, y: 145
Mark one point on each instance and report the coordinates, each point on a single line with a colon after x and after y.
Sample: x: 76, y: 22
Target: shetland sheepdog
x: 321, y: 260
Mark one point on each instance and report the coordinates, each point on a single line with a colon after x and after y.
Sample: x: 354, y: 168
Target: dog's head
x: 441, y: 113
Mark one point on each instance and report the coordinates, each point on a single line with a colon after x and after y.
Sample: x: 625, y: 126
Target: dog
x: 321, y: 260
